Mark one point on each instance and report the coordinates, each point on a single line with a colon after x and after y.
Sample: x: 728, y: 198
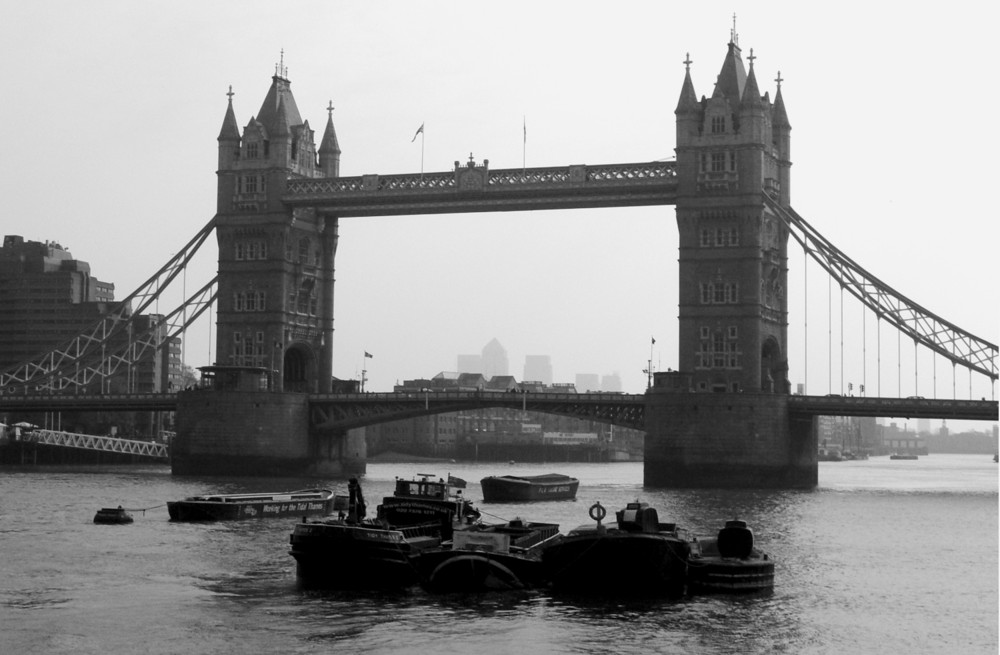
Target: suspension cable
x: 829, y: 335
x: 805, y: 314
x: 842, y: 339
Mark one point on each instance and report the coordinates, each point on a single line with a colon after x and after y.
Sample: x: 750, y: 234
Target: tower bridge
x: 726, y: 417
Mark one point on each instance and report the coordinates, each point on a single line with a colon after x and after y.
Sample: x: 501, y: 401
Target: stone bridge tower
x: 275, y: 307
x: 722, y: 419
x: 276, y: 265
x: 732, y: 149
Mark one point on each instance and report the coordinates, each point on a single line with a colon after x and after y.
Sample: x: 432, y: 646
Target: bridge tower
x: 732, y: 149
x: 274, y: 339
x: 276, y: 265
x: 722, y: 418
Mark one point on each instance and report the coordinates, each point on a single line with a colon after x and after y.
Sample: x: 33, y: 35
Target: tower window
x: 253, y: 151
x: 718, y: 124
x: 718, y: 162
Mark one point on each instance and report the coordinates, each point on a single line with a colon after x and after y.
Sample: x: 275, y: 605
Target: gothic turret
x: 229, y: 137
x: 688, y: 111
x: 782, y: 137
x: 329, y: 148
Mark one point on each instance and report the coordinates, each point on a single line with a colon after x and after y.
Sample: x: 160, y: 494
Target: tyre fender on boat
x: 597, y: 512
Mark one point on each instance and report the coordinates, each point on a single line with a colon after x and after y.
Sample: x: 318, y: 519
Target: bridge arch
x: 298, y: 368
x: 773, y: 366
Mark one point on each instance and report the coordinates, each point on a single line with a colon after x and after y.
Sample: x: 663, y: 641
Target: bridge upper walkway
x: 477, y: 189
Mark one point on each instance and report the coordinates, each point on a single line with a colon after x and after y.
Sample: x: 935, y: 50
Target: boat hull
x: 488, y: 558
x: 723, y: 575
x: 615, y: 561
x: 523, y: 489
x: 464, y: 570
x: 210, y: 510
x: 341, y: 555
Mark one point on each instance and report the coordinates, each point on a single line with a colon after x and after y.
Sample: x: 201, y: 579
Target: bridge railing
x: 99, y: 443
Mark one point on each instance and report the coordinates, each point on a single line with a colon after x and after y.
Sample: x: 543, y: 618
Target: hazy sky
x: 112, y: 111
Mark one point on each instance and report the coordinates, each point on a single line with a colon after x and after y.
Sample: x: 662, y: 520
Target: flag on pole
x: 653, y: 339
x: 368, y: 355
x: 420, y: 130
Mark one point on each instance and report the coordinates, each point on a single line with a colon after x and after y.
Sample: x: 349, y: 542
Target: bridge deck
x: 343, y: 411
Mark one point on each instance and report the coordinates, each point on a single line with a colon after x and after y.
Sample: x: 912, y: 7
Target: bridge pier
x: 258, y: 433
x: 735, y: 440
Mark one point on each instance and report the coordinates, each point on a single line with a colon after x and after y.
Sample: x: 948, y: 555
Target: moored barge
x: 497, y: 557
x: 636, y: 555
x: 355, y: 551
x: 528, y: 488
x: 222, y: 507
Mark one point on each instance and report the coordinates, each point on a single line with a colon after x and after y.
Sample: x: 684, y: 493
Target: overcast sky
x: 112, y: 111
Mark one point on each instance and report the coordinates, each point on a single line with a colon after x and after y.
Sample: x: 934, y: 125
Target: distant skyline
x: 110, y: 149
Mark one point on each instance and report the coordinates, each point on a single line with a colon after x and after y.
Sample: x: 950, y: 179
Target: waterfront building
x: 47, y: 297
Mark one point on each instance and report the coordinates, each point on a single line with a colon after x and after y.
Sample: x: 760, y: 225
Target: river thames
x: 883, y: 557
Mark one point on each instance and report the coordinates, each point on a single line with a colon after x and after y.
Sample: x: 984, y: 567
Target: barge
x: 498, y: 557
x: 636, y: 555
x: 354, y: 551
x: 223, y: 507
x: 528, y: 488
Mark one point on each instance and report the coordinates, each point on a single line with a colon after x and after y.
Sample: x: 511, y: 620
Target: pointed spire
x: 280, y: 92
x: 280, y: 125
x: 329, y: 148
x: 732, y: 78
x: 779, y: 118
x: 688, y: 101
x: 329, y: 145
x: 751, y: 94
x: 230, y: 129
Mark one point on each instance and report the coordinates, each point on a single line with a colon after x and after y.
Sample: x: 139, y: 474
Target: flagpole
x: 422, y: 151
x: 524, y: 145
x: 649, y: 378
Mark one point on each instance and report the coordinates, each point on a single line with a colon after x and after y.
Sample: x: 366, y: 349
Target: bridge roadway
x: 333, y: 412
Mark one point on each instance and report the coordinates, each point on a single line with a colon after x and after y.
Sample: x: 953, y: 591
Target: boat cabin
x: 425, y: 487
x: 640, y: 517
